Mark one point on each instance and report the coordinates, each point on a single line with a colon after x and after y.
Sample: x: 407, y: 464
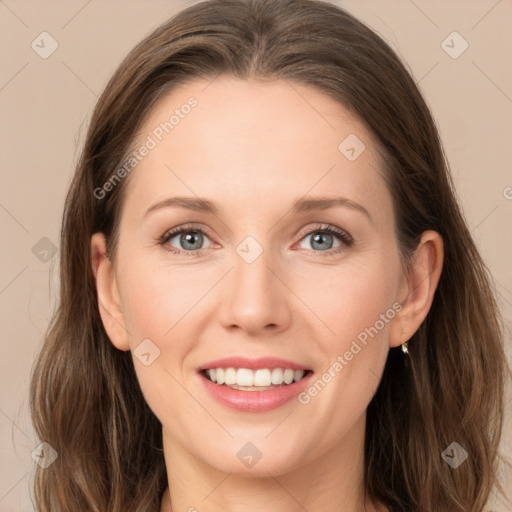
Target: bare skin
x: 253, y: 149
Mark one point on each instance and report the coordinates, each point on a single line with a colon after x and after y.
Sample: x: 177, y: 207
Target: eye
x: 323, y: 236
x: 190, y: 238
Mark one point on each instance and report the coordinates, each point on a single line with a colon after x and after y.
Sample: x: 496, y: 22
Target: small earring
x: 405, y: 348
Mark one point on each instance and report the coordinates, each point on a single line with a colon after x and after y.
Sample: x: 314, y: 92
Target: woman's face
x: 258, y: 277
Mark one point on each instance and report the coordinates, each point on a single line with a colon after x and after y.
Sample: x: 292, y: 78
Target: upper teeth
x: 247, y: 377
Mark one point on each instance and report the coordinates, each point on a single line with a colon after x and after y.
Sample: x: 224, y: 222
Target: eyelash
x: 340, y: 234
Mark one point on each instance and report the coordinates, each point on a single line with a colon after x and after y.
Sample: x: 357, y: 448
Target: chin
x: 256, y: 459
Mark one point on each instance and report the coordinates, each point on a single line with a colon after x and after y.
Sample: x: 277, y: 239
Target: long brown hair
x: 85, y: 398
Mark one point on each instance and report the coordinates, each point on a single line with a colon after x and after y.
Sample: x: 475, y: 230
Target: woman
x: 207, y: 353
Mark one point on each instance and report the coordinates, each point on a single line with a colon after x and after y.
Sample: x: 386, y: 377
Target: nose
x: 256, y: 299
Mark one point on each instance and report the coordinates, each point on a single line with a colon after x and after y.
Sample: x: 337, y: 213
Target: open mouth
x: 245, y: 379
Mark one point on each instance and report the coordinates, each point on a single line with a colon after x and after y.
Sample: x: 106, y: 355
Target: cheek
x: 353, y: 299
x: 156, y: 302
x: 156, y: 299
x: 357, y: 305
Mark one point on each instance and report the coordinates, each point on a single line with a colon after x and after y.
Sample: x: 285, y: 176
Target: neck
x: 330, y: 483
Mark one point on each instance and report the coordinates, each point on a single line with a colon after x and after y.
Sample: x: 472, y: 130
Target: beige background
x: 46, y: 104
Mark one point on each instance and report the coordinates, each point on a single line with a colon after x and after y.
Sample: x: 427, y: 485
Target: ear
x: 416, y: 293
x: 109, y: 302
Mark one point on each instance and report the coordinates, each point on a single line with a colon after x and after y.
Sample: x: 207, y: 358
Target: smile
x: 254, y: 385
x: 254, y: 380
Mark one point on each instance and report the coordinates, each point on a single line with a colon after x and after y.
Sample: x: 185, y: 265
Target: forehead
x: 242, y: 141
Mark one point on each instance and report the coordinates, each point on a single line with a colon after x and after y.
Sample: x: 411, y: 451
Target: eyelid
x: 178, y: 230
x: 189, y: 226
x: 343, y: 236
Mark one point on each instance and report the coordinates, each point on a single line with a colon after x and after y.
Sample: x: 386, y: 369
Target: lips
x: 253, y: 364
x: 267, y: 395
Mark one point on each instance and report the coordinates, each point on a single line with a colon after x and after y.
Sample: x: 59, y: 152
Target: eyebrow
x: 300, y: 205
